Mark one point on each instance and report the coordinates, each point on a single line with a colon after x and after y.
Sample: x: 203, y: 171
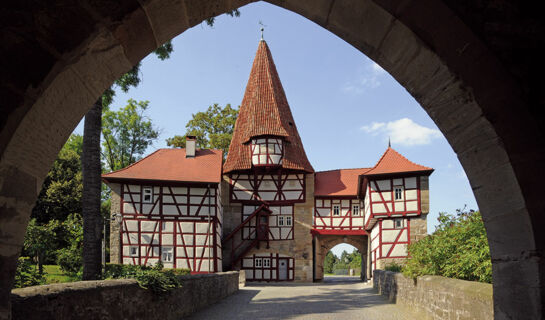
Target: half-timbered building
x: 171, y: 211
x: 266, y: 211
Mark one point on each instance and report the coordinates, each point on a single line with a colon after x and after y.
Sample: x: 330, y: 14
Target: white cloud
x: 403, y: 132
x: 368, y: 79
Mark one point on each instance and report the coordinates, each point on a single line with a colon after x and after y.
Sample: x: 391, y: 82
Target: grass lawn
x: 54, y: 274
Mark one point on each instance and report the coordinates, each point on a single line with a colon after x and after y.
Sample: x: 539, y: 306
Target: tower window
x: 356, y: 210
x: 147, y: 194
x: 398, y: 193
x: 336, y: 210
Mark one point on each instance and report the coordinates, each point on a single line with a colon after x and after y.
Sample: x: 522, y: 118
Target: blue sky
x: 345, y: 106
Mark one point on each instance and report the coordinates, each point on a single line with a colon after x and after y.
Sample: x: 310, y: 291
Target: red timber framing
x: 183, y: 221
x: 275, y: 187
x: 382, y: 202
x: 266, y: 151
x: 281, y: 221
x: 266, y: 267
x: 390, y: 239
x: 339, y: 213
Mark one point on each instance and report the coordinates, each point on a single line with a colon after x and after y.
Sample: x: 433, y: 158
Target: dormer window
x: 267, y: 151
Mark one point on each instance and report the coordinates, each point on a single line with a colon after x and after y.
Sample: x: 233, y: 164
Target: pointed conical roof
x: 392, y: 162
x: 265, y: 112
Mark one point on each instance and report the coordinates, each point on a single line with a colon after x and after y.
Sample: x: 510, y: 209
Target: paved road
x: 335, y: 298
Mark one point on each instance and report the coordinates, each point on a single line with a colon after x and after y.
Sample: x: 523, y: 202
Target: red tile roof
x: 341, y: 182
x: 172, y: 165
x: 393, y: 162
x: 265, y: 111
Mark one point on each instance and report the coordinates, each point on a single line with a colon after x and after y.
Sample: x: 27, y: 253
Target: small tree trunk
x: 40, y: 262
x: 91, y: 169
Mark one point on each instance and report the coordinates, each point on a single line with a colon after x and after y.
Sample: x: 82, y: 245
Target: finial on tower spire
x: 262, y: 29
x: 389, y: 144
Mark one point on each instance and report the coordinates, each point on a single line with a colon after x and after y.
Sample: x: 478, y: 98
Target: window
x: 167, y: 254
x: 133, y: 251
x: 266, y: 262
x: 398, y: 223
x: 288, y: 221
x: 336, y: 210
x: 281, y: 221
x: 356, y: 210
x: 258, y: 262
x: 398, y: 193
x: 147, y: 194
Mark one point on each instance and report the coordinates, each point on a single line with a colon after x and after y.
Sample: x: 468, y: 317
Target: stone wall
x: 437, y: 297
x: 121, y: 299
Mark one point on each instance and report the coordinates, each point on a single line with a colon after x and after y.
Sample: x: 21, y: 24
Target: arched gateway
x: 475, y: 67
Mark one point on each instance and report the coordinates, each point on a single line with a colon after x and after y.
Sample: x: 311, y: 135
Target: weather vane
x: 262, y: 28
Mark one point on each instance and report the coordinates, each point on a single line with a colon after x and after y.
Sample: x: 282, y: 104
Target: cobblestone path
x: 335, y: 298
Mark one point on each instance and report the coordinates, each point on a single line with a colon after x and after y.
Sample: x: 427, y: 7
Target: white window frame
x: 401, y: 192
x: 356, y: 208
x: 338, y: 207
x: 167, y: 250
x: 280, y: 221
x: 289, y: 221
x: 258, y: 263
x: 266, y: 262
x: 135, y: 248
x: 400, y: 221
x: 144, y: 189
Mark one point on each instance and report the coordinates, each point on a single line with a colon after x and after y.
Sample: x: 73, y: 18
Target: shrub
x: 457, y: 249
x: 70, y: 260
x: 394, y: 267
x: 155, y: 278
x: 26, y: 274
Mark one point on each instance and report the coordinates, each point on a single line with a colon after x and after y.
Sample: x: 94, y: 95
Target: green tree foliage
x: 329, y: 262
x: 457, y: 249
x: 232, y: 13
x: 213, y: 128
x: 127, y: 134
x: 69, y: 258
x: 26, y: 274
x: 62, y: 188
x: 41, y: 240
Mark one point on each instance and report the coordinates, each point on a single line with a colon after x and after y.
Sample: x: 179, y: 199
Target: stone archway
x: 324, y: 243
x: 472, y: 79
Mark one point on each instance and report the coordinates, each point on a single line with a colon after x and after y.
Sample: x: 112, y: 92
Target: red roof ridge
x: 134, y: 163
x: 415, y: 166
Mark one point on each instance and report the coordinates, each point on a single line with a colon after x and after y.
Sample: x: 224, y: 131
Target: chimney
x: 190, y: 142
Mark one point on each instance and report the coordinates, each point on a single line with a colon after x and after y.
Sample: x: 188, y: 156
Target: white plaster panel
x: 169, y: 209
x: 319, y: 203
x: 345, y: 223
x: 258, y: 274
x: 379, y: 208
x: 198, y: 191
x: 200, y: 239
x: 292, y: 195
x: 388, y: 224
x: 127, y: 198
x: 202, y: 227
x: 319, y: 222
x: 148, y: 225
x: 399, y: 250
x: 411, y: 194
x: 327, y: 203
x: 266, y: 274
x: 345, y: 203
x: 146, y: 208
x: 156, y: 210
x: 131, y: 225
x: 181, y: 199
x: 188, y: 240
x: 410, y: 183
x: 193, y: 210
x: 247, y: 263
x: 384, y: 185
x: 152, y: 262
x: 399, y: 206
x: 196, y: 200
x: 180, y: 251
x: 385, y: 249
x: 168, y: 226
x: 286, y: 210
x: 387, y: 195
x: 182, y: 264
x: 242, y: 184
x: 179, y: 190
x: 267, y: 185
x: 248, y: 209
x: 249, y: 274
x: 403, y: 236
x: 166, y: 240
x: 398, y: 182
x: 204, y: 265
x: 357, y: 222
x: 242, y: 195
x: 344, y: 212
x: 134, y: 188
x: 412, y: 205
x: 127, y: 261
x: 389, y: 206
x: 389, y: 235
x: 267, y: 195
x: 168, y: 199
x: 149, y: 238
x: 375, y: 197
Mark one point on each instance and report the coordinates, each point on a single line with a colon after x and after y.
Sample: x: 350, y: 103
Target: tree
x: 457, y: 249
x: 62, y: 188
x: 41, y: 240
x: 127, y: 134
x: 329, y: 262
x: 69, y: 258
x: 213, y: 128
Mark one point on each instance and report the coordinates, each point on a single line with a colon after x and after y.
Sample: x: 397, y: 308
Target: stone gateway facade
x: 265, y: 211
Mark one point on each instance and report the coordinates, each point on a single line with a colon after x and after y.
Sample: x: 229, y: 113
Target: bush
x: 155, y: 278
x: 394, y: 267
x: 26, y: 274
x: 457, y: 249
x: 70, y: 260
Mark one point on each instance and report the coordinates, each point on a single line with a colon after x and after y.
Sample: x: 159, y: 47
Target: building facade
x: 265, y: 210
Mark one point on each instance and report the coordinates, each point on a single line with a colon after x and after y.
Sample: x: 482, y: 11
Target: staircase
x: 237, y: 245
